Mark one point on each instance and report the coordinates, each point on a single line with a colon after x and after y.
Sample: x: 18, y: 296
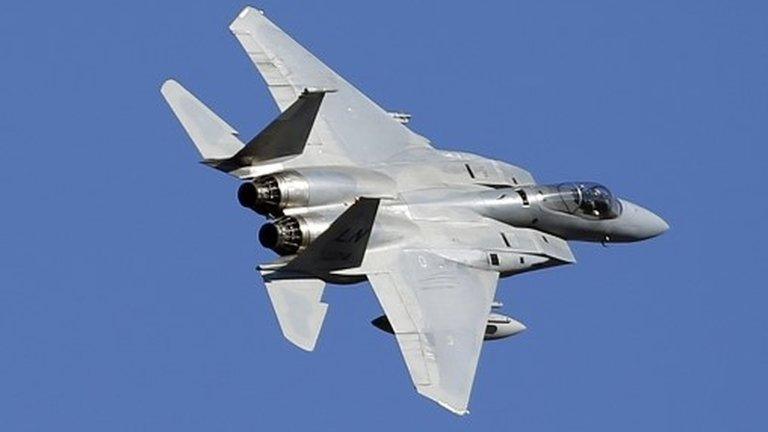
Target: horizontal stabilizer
x: 213, y: 137
x: 342, y: 245
x: 299, y: 310
x: 285, y: 136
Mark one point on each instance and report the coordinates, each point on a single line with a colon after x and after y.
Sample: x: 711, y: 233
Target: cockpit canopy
x: 583, y: 199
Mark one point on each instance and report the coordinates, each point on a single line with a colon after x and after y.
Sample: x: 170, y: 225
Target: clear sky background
x: 128, y: 296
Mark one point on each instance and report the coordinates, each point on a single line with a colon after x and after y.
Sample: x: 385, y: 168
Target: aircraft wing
x: 350, y: 128
x: 438, y: 310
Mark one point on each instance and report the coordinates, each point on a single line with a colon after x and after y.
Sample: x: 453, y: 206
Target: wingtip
x: 458, y: 412
x: 306, y: 346
x: 457, y: 407
x: 249, y: 9
x: 169, y: 84
x: 240, y: 23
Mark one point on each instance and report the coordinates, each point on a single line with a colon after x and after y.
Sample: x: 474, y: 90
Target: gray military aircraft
x: 351, y: 194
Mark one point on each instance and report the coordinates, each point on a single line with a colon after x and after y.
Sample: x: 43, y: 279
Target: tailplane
x: 299, y: 309
x: 213, y: 137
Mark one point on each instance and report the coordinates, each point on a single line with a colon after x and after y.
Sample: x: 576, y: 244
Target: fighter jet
x: 351, y: 194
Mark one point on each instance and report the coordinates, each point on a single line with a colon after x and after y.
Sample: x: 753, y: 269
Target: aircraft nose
x: 653, y: 224
x: 638, y: 223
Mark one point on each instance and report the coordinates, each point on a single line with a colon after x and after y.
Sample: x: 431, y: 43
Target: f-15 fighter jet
x: 351, y: 194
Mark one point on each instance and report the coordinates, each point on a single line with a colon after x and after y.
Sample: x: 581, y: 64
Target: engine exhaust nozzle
x: 283, y: 235
x: 262, y: 195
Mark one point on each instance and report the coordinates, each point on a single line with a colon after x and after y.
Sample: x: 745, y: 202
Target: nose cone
x: 637, y: 223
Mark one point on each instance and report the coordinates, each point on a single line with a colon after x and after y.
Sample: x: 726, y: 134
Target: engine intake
x: 284, y: 235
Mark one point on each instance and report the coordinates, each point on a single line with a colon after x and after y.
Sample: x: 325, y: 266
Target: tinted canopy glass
x: 585, y: 199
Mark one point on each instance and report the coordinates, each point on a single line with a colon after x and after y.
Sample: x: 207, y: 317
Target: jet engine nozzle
x: 284, y: 235
x: 261, y: 195
x: 268, y: 195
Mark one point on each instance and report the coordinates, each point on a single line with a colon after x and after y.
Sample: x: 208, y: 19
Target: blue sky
x: 128, y: 297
